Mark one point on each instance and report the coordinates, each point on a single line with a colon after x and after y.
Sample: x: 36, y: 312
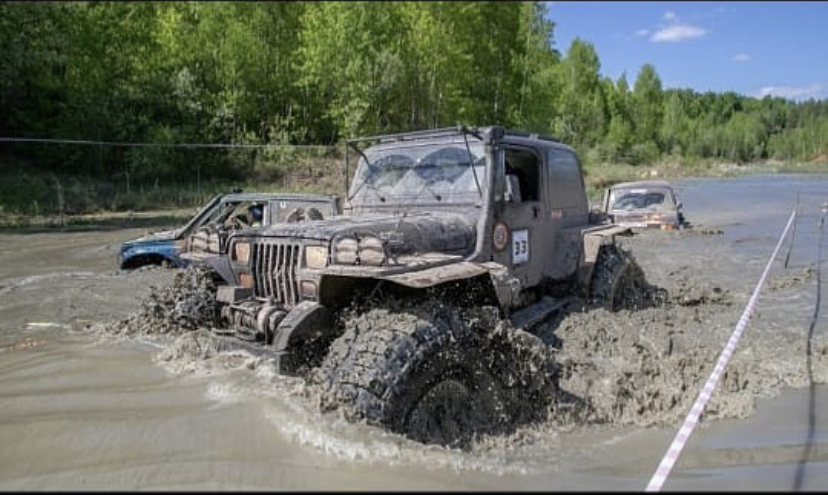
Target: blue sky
x: 755, y: 48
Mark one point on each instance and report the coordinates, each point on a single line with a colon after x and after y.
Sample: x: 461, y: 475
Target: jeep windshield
x: 418, y: 173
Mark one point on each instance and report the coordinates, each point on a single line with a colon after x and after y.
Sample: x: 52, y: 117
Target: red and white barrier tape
x: 692, y: 419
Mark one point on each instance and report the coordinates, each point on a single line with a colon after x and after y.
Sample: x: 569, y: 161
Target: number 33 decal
x: 520, y: 246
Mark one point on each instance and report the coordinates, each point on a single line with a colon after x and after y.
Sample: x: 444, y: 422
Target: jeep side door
x: 525, y: 214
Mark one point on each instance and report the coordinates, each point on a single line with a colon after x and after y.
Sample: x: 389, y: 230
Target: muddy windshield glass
x: 420, y: 173
x: 640, y: 199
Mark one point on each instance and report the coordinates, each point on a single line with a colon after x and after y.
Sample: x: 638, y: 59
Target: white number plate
x: 520, y: 246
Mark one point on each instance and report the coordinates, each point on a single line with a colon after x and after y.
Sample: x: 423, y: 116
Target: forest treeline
x: 314, y: 73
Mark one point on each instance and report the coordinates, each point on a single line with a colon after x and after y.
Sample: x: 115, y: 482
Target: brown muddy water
x: 82, y: 409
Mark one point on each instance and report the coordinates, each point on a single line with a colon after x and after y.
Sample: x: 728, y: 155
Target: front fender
x: 437, y: 275
x: 221, y: 264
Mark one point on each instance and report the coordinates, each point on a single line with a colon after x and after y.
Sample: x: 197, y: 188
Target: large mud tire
x: 617, y: 280
x: 429, y: 374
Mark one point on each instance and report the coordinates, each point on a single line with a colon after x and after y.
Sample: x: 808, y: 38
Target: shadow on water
x: 806, y: 454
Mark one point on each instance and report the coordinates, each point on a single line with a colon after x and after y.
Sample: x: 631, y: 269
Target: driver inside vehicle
x: 254, y: 215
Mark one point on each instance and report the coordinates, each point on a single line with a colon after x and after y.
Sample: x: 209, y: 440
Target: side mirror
x: 512, y: 192
x: 508, y: 196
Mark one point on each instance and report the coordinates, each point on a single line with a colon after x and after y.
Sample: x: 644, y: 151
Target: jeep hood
x: 419, y: 232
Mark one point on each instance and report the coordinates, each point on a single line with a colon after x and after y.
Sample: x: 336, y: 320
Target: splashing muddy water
x: 108, y: 383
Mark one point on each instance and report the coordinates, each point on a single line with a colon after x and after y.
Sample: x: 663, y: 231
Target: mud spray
x: 639, y: 367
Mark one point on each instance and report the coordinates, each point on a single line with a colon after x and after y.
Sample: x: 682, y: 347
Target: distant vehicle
x: 206, y: 233
x: 643, y: 204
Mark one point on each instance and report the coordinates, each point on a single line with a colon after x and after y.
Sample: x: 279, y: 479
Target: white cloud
x: 642, y: 32
x: 674, y: 31
x: 741, y: 57
x: 677, y: 32
x: 816, y: 91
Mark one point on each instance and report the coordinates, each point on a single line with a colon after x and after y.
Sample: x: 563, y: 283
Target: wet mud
x: 187, y: 304
x: 643, y: 365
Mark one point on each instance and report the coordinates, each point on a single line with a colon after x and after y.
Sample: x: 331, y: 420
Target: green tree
x: 675, y: 126
x: 620, y: 133
x: 348, y: 52
x: 581, y: 114
x: 647, y: 108
x: 536, y: 68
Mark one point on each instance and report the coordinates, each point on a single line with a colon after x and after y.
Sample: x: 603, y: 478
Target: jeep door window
x: 220, y: 213
x: 290, y: 211
x: 523, y: 173
x: 244, y: 214
x: 225, y: 214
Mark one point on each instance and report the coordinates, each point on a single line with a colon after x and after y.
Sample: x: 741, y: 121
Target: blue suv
x: 207, y: 231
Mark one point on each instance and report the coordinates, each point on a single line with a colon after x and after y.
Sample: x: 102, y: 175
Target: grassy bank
x: 29, y: 199
x: 36, y: 202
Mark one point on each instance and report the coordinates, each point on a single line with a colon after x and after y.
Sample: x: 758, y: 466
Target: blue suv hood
x: 155, y: 237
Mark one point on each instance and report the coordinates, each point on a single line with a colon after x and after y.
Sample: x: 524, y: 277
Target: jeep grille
x: 273, y: 267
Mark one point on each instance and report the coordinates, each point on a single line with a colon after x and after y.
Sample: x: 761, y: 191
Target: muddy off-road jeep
x: 382, y: 306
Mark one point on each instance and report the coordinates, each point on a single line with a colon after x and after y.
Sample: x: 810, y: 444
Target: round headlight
x: 345, y: 251
x: 371, y: 251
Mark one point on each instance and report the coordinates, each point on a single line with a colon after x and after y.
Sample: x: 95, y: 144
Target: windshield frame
x: 200, y: 217
x: 430, y: 172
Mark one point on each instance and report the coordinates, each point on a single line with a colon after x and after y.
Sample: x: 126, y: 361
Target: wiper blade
x: 426, y: 181
x: 372, y: 170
